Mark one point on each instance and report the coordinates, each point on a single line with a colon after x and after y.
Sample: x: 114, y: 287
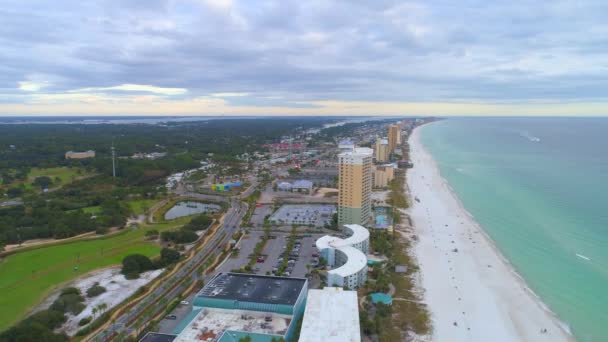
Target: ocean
x: 539, y: 188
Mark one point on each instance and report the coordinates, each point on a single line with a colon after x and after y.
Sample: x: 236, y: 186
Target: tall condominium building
x: 394, y: 132
x: 355, y: 186
x: 381, y: 150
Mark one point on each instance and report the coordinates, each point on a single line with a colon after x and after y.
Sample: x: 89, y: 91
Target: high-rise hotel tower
x: 355, y: 186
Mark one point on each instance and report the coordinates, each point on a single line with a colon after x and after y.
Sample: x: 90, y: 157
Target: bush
x: 69, y: 300
x: 179, y: 236
x: 85, y: 321
x: 134, y: 264
x: 38, y: 327
x: 95, y: 290
x: 70, y: 290
x: 151, y: 234
x: 168, y: 256
x: 69, y: 303
x: 200, y: 222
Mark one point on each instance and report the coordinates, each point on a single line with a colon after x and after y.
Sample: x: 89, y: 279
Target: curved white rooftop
x: 356, y: 261
x: 359, y: 235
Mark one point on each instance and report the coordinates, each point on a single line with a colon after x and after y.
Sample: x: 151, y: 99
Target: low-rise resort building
x: 233, y: 306
x: 347, y: 257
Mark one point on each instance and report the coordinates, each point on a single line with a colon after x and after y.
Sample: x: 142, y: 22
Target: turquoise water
x: 539, y: 188
x: 379, y: 297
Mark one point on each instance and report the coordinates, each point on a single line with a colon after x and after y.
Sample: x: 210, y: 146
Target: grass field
x: 96, y: 209
x: 27, y: 278
x: 138, y: 207
x: 65, y: 175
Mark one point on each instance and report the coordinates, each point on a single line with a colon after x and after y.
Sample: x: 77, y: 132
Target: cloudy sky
x: 352, y: 57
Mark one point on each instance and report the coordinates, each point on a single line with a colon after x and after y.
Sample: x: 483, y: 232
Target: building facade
x: 355, y: 186
x: 394, y: 132
x: 346, y: 257
x: 382, y: 175
x: 79, y: 155
x: 381, y: 150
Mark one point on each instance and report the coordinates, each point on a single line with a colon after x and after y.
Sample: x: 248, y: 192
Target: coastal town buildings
x: 355, y: 186
x: 381, y: 150
x: 394, y: 137
x: 382, y: 175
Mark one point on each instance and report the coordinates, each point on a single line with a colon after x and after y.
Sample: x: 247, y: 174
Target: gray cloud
x: 313, y: 50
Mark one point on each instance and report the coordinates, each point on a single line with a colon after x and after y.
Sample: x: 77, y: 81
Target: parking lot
x: 246, y: 247
x: 257, y: 219
x: 274, y: 249
x: 272, y: 252
x: 317, y: 215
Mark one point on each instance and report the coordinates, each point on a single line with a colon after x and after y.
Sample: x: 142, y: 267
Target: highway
x: 126, y: 322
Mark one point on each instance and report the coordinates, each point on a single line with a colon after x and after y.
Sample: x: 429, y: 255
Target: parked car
x: 184, y: 302
x: 260, y: 260
x: 171, y: 317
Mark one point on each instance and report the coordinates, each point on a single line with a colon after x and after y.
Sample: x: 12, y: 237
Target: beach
x: 472, y: 292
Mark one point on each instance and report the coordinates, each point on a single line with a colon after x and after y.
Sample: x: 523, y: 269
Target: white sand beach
x: 472, y: 292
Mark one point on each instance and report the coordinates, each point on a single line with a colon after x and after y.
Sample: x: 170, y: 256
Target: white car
x: 184, y: 302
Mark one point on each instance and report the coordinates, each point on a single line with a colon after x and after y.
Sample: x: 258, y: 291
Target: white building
x: 347, y: 257
x: 331, y: 315
x: 346, y: 145
x: 302, y: 186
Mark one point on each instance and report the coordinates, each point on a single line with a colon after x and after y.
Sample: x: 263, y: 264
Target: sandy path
x: 473, y: 293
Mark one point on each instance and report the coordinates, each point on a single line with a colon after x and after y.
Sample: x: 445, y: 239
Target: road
x: 126, y: 322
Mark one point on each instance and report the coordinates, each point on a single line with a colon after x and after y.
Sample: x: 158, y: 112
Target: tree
x: 95, y: 290
x: 169, y: 256
x: 43, y: 181
x: 14, y: 192
x: 200, y: 222
x: 245, y: 339
x: 134, y: 264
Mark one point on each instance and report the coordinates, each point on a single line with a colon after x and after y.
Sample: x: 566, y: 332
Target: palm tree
x: 94, y: 312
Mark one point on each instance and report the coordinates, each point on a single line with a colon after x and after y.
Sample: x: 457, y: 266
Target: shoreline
x: 473, y: 292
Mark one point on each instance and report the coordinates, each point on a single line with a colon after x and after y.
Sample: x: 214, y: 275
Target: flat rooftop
x: 211, y: 323
x: 331, y: 315
x: 254, y: 288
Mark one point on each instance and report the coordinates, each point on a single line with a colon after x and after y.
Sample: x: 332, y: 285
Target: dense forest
x: 44, y: 145
x: 59, y: 213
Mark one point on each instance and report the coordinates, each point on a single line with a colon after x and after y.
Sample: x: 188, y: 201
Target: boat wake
x: 583, y: 257
x: 529, y: 137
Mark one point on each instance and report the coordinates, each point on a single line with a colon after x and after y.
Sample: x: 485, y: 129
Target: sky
x: 313, y: 57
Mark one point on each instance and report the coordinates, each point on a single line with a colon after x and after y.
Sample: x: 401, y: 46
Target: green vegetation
x: 70, y: 300
x: 27, y: 277
x: 92, y: 210
x: 200, y: 222
x: 396, y: 197
x: 389, y: 322
x: 37, y: 327
x: 138, y: 207
x: 95, y: 290
x: 251, y: 202
x: 134, y: 264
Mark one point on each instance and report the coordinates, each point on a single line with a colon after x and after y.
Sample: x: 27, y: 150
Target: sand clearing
x: 472, y: 292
